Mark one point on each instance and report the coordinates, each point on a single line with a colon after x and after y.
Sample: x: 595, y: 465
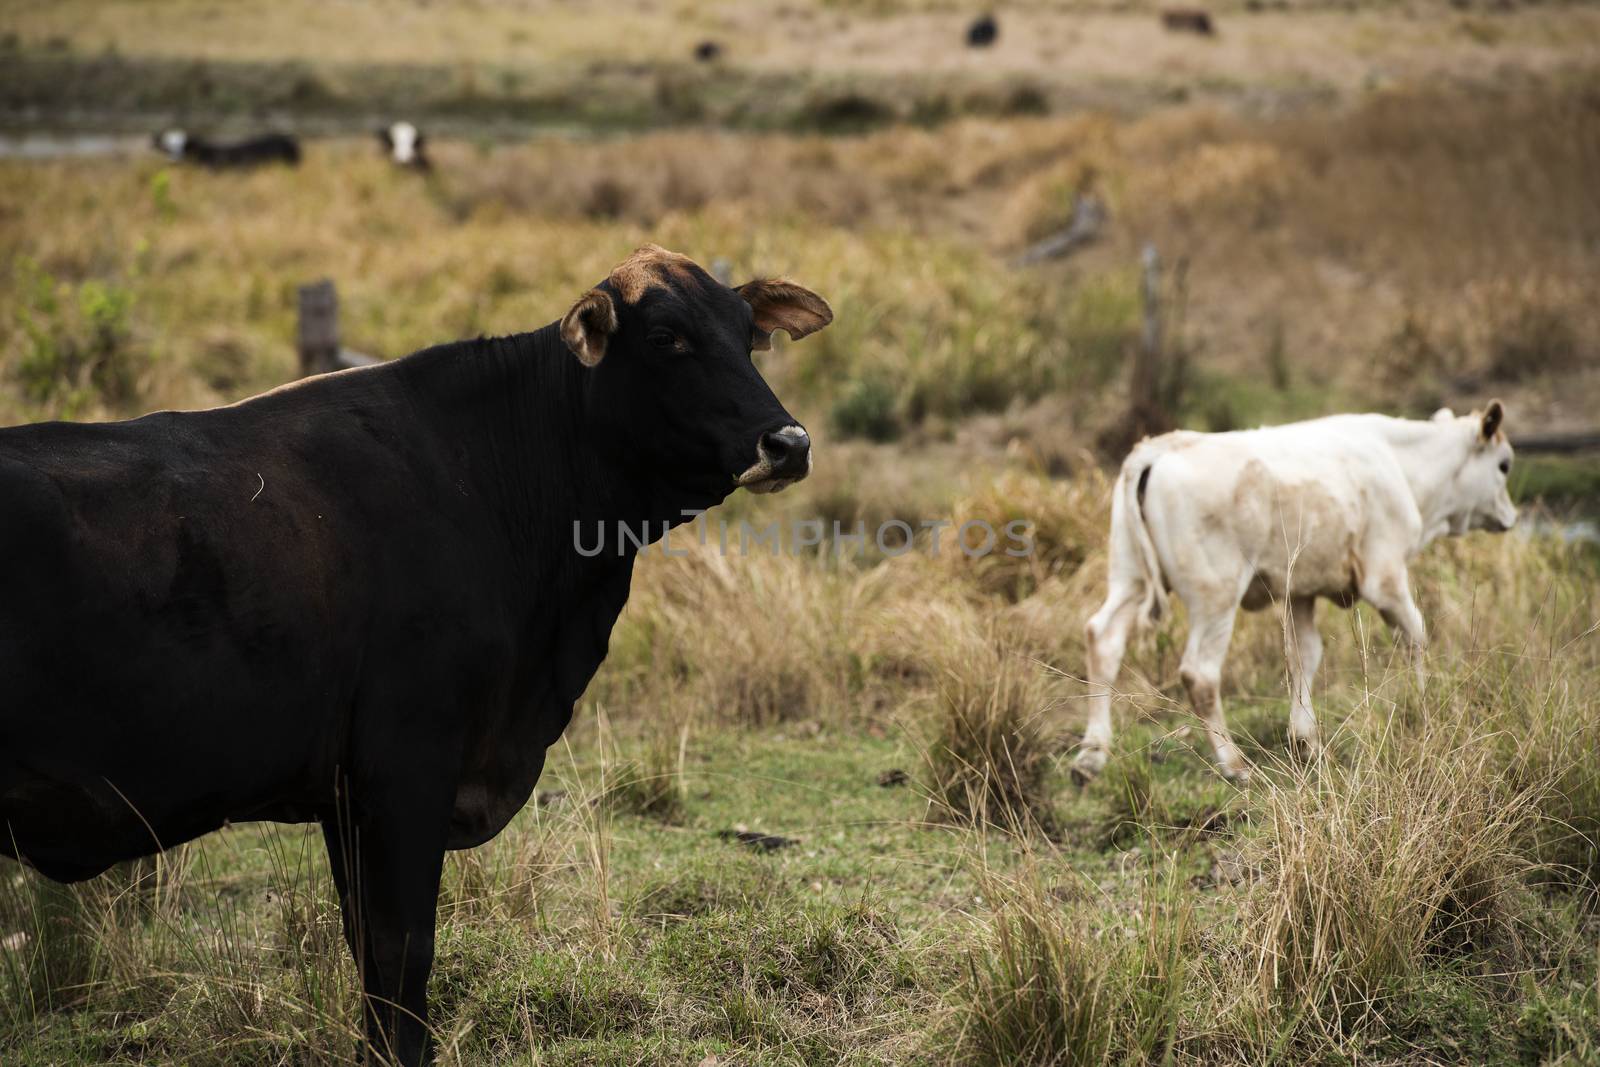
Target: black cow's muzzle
x: 783, y: 457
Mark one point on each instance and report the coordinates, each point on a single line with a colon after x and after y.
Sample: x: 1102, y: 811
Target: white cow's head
x: 1478, y: 496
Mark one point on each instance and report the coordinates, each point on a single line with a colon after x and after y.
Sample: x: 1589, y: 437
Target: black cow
x: 708, y: 51
x: 983, y: 32
x: 183, y: 147
x: 405, y: 146
x: 359, y: 599
x: 1188, y: 20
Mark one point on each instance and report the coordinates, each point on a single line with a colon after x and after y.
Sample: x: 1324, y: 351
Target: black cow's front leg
x: 386, y: 862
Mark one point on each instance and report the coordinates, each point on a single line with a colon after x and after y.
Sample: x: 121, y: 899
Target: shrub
x: 867, y: 409
x: 75, y: 342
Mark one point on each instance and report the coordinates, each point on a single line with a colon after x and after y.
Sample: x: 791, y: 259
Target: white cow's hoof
x: 1087, y: 765
x: 1238, y: 774
x: 1304, y: 749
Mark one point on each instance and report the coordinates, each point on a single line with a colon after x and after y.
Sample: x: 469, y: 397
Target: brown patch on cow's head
x: 780, y: 304
x: 1493, y: 417
x: 589, y: 325
x: 650, y: 267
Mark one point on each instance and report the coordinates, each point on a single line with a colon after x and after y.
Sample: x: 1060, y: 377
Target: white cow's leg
x: 1305, y: 655
x: 1390, y: 593
x: 1105, y: 641
x: 1211, y: 628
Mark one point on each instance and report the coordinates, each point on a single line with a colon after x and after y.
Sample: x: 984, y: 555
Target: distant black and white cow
x: 1333, y: 508
x: 183, y: 147
x: 405, y: 146
x: 360, y: 599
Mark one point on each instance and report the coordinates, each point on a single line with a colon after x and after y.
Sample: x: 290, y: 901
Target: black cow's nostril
x: 786, y: 450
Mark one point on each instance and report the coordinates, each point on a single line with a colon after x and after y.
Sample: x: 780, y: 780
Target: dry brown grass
x: 1378, y: 868
x: 1055, y: 44
x: 1418, y: 249
x: 993, y: 728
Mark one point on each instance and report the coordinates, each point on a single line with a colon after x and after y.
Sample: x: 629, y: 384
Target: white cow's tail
x: 1137, y: 546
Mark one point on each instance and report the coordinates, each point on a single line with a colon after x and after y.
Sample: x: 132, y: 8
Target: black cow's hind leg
x: 386, y: 865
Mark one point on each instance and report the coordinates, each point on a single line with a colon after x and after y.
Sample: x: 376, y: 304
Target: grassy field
x: 1423, y: 896
x: 944, y: 893
x: 785, y: 63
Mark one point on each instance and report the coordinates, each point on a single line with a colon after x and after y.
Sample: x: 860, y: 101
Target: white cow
x: 1334, y: 508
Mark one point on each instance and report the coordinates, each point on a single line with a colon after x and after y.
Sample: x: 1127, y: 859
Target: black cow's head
x: 674, y: 392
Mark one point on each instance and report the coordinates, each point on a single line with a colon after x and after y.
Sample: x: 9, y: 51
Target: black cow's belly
x: 73, y: 803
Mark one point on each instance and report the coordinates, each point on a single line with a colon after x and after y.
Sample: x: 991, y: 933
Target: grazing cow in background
x: 983, y: 31
x: 183, y: 147
x: 1333, y: 508
x: 1188, y: 20
x: 405, y: 146
x: 708, y: 51
x: 360, y: 599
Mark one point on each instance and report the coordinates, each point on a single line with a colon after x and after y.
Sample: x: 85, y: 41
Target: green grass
x: 590, y: 934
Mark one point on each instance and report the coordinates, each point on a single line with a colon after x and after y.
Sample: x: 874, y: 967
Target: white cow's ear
x: 589, y: 325
x: 1493, y: 416
x: 1443, y: 415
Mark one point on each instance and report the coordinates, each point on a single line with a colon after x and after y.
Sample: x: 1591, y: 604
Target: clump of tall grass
x: 1523, y: 615
x: 1405, y: 859
x: 751, y: 638
x: 988, y: 752
x: 1053, y: 982
x: 650, y: 783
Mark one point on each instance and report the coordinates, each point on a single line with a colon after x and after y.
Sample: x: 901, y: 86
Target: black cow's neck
x: 516, y: 411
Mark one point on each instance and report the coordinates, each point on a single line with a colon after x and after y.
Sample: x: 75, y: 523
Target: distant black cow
x: 983, y: 32
x: 362, y: 599
x: 1188, y: 20
x: 708, y: 51
x: 405, y: 146
x: 184, y: 147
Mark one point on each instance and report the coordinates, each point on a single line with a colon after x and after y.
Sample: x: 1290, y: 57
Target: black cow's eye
x: 1505, y: 466
x: 662, y: 339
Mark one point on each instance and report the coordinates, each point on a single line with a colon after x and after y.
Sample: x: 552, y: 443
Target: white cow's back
x: 1296, y: 507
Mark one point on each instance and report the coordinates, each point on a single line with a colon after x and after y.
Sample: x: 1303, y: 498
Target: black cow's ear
x: 589, y: 325
x: 1493, y: 416
x: 782, y: 305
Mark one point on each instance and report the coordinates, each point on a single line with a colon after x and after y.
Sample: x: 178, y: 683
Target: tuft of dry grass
x: 989, y: 747
x: 1050, y: 982
x: 1043, y: 529
x: 754, y: 640
x: 1377, y: 869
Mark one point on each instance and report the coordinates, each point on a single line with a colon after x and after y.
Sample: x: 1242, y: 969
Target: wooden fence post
x: 318, y: 335
x: 1147, y: 361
